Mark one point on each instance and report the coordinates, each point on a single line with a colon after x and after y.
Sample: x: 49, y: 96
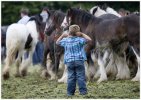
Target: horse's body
x: 55, y: 51
x: 21, y: 38
x: 106, y: 33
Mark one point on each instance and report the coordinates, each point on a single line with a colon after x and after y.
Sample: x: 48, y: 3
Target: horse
x: 112, y: 34
x: 97, y: 11
x: 21, y: 38
x: 53, y: 31
x: 3, y: 42
x: 130, y: 56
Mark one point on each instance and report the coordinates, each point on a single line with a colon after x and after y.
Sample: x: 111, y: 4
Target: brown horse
x: 53, y: 32
x: 113, y: 34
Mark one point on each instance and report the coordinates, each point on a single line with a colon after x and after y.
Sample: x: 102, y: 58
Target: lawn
x: 33, y: 86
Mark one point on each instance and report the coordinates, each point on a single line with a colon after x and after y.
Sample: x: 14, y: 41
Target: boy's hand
x: 79, y: 34
x: 65, y: 35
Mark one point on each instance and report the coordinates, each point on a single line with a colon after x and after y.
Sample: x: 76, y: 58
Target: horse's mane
x: 50, y: 13
x: 81, y: 16
x: 38, y: 20
x: 58, y: 17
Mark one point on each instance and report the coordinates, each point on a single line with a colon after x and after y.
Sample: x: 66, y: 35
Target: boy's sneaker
x: 69, y: 95
x: 84, y: 93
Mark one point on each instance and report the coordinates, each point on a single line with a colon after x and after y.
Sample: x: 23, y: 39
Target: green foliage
x: 11, y: 9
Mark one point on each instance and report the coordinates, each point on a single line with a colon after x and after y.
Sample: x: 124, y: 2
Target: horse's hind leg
x: 111, y: 67
x: 18, y: 62
x: 44, y: 63
x: 64, y: 76
x: 5, y: 73
x: 122, y: 67
x: 137, y: 77
x: 9, y: 59
x: 102, y: 63
x: 26, y: 62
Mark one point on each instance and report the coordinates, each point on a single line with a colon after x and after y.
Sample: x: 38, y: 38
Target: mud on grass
x: 33, y: 86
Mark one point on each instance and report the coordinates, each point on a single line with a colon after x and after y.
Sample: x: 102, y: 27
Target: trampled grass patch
x: 33, y: 86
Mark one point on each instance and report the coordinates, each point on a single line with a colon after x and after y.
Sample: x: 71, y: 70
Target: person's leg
x: 81, y: 79
x: 35, y: 57
x: 71, y: 82
x: 40, y: 49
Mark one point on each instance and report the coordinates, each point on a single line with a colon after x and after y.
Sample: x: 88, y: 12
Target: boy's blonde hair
x: 73, y: 29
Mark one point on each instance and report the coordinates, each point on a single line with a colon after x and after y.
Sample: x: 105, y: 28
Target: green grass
x: 33, y: 86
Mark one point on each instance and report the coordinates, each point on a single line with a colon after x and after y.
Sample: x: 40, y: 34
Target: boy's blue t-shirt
x: 74, y: 48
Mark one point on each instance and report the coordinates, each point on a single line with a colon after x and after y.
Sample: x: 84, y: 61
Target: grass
x: 33, y: 86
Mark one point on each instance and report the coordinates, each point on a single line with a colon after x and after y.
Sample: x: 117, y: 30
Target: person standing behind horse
x: 74, y: 58
x: 24, y: 16
x: 38, y: 54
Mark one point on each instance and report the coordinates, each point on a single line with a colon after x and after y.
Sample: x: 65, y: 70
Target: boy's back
x: 74, y: 48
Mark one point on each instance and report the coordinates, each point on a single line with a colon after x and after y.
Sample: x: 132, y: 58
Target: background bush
x: 11, y: 9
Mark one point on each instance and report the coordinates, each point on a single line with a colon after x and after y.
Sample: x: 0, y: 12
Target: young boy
x: 74, y: 58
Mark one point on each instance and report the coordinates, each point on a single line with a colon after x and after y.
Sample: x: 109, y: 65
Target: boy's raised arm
x: 61, y: 37
x: 84, y: 36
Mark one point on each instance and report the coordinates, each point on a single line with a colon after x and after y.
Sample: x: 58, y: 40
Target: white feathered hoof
x: 97, y: 75
x: 65, y: 81
x: 6, y: 75
x: 101, y: 80
x: 44, y: 74
x: 122, y: 77
x: 53, y: 78
x: 136, y: 78
x: 62, y: 80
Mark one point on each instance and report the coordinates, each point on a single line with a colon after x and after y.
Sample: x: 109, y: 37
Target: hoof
x: 6, y: 75
x: 101, y: 80
x: 23, y: 73
x: 44, y: 74
x: 135, y: 79
x: 53, y: 78
x: 60, y: 81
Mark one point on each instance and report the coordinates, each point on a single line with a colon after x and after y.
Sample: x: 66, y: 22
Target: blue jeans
x: 76, y: 73
x: 38, y: 53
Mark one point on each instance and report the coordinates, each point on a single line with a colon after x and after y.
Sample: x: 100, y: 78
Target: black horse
x: 114, y: 34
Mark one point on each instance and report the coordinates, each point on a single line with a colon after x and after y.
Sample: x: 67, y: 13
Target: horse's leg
x: 95, y: 60
x: 55, y: 66
x: 10, y: 56
x: 62, y: 65
x: 111, y: 67
x: 101, y: 63
x: 137, y: 77
x: 63, y: 79
x: 44, y: 63
x: 18, y: 62
x: 50, y: 70
x: 26, y: 63
x: 122, y: 67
